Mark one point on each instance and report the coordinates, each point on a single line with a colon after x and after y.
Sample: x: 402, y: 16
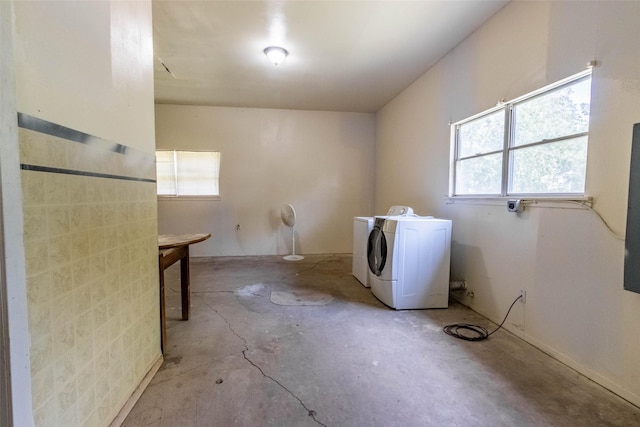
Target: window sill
x: 188, y: 198
x: 539, y: 201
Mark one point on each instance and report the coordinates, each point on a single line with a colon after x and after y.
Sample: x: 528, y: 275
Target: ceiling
x: 343, y: 55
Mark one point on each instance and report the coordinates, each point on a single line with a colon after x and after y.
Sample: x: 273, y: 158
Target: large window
x: 188, y: 173
x: 534, y: 145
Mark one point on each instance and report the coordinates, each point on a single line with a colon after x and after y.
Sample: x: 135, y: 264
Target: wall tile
x: 56, y: 189
x: 58, y: 220
x: 38, y: 290
x: 79, y: 157
x: 35, y: 222
x: 65, y: 340
x: 92, y: 284
x: 41, y: 353
x: 67, y: 395
x: 86, y: 404
x: 42, y: 386
x: 96, y: 215
x: 59, y: 248
x: 64, y: 369
x: 79, y: 217
x: 56, y: 150
x: 33, y: 147
x: 97, y: 265
x: 94, y: 191
x: 81, y: 300
x: 36, y: 256
x: 61, y: 308
x: 77, y: 191
x: 33, y: 189
x: 81, y: 245
x: 47, y: 411
x: 40, y: 318
x: 81, y: 273
x: 62, y: 277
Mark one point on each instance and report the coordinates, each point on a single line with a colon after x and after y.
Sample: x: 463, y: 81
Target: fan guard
x: 288, y: 216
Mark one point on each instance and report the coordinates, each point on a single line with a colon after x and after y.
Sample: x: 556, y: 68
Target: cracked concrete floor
x: 242, y: 360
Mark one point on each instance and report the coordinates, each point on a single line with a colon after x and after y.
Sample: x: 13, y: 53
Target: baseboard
x: 625, y: 394
x: 128, y: 406
x: 594, y: 376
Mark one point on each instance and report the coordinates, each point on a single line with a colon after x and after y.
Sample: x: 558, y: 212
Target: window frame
x: 187, y: 197
x: 508, y: 145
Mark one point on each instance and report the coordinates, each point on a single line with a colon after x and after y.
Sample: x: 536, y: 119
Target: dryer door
x: 377, y: 248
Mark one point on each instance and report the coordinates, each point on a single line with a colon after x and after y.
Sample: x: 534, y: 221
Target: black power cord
x: 481, y: 332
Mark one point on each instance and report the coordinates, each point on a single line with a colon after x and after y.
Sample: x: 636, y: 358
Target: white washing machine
x: 362, y: 226
x: 409, y: 260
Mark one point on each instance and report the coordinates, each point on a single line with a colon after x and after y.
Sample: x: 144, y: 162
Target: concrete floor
x: 242, y: 360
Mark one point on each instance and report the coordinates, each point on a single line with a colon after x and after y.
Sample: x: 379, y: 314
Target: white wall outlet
x: 515, y: 205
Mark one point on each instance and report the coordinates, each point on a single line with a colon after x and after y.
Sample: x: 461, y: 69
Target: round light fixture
x: 276, y: 54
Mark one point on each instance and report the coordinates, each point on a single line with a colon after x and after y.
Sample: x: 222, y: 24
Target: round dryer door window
x: 377, y: 250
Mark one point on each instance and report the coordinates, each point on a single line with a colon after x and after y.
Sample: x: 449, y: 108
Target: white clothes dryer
x: 409, y: 260
x: 362, y: 226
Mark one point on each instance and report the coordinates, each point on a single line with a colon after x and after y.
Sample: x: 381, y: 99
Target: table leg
x: 184, y: 284
x: 163, y: 323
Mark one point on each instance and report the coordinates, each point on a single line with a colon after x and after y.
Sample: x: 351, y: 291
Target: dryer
x: 362, y: 226
x: 409, y: 260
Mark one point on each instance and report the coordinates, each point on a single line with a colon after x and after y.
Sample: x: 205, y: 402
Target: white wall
x: 89, y: 211
x: 16, y: 398
x: 87, y: 67
x: 564, y: 257
x: 320, y: 162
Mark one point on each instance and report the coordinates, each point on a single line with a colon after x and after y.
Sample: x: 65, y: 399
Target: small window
x: 479, y: 164
x: 188, y: 173
x: 535, y: 145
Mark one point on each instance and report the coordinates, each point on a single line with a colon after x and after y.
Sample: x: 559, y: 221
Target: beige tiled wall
x: 92, y: 279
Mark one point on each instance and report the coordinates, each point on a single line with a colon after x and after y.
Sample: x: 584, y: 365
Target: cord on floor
x: 481, y: 333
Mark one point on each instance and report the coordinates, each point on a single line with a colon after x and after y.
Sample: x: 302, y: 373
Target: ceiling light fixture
x: 276, y: 54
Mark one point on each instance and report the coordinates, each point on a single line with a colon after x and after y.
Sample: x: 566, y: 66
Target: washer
x: 409, y: 260
x: 362, y: 226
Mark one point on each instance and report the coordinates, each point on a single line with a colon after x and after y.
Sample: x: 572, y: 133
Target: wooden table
x: 171, y: 248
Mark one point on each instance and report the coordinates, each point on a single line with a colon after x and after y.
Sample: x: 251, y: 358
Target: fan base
x: 293, y: 257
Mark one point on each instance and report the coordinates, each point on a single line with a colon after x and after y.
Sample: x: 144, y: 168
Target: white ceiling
x: 343, y: 55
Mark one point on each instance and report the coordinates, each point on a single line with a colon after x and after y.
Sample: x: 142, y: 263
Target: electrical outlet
x: 523, y: 296
x: 470, y: 294
x: 515, y: 206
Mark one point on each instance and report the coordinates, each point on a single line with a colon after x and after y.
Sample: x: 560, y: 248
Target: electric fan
x: 288, y: 215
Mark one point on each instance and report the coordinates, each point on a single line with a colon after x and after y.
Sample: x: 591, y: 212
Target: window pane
x: 564, y: 111
x: 479, y: 175
x: 198, y: 173
x: 165, y: 171
x: 482, y: 135
x: 557, y: 167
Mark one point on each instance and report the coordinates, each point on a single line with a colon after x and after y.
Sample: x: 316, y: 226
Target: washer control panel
x: 400, y: 210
